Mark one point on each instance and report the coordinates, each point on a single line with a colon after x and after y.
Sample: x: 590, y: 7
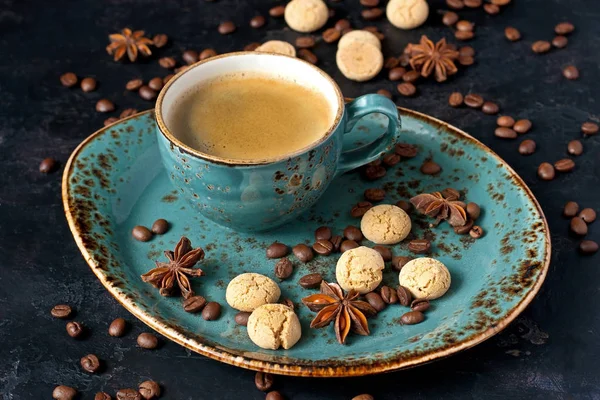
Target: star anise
x: 128, y: 42
x: 427, y: 58
x: 169, y: 276
x: 346, y: 311
x: 435, y: 205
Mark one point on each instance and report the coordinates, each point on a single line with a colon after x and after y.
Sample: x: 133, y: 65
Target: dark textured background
x: 550, y: 352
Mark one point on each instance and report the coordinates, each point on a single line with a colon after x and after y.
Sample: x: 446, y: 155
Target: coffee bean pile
x: 579, y: 223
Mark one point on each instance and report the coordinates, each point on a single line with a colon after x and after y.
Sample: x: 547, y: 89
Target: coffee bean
x: 336, y: 241
x: 404, y: 60
x: 386, y: 252
x: 476, y: 232
x: 589, y: 128
x: 323, y: 247
x: 541, y: 46
x: 375, y: 300
x: 391, y: 62
x: 412, y: 318
x: 128, y: 112
x: 473, y: 3
x: 505, y: 133
x: 578, y: 226
x: 360, y: 209
x: 369, y: 3
x: 588, y: 247
x: 588, y: 215
x: 208, y: 53
x: 252, y: 46
x: 274, y: 395
x: 342, y: 25
x: 455, y: 99
x: 420, y: 305
x: 284, y: 268
x: 491, y: 9
x: 571, y: 72
x: 160, y: 226
x: 88, y: 84
x: 385, y: 93
x: 48, y: 165
x: 74, y: 329
x: 391, y: 159
x: 371, y: 14
x: 575, y: 147
x: 287, y: 302
x: 500, y: 2
x: 305, y: 42
x: 128, y: 394
x: 308, y: 56
x: 411, y: 76
x: 189, y: 56
x: 399, y: 261
x: 194, y: 304
x: 473, y: 210
x: 348, y: 245
x: 149, y: 390
x: 406, y: 150
x: 105, y: 105
x: 353, y: 233
x: 211, y: 311
x: 147, y: 93
x: 373, y: 172
x: 102, y: 396
x: 564, y: 28
x: 388, y: 295
x: 331, y: 35
x: 90, y: 363
x: 406, y: 89
x: 241, y: 318
x: 258, y: 21
x: 546, y: 171
x: 449, y: 18
x: 323, y: 232
x: 560, y: 42
x: 430, y: 168
x: 570, y: 209
x: 277, y: 11
x: 395, y: 74
x: 527, y: 147
x: 419, y: 246
x: 404, y: 296
x: 466, y: 61
x: 473, y: 100
x: 310, y: 281
x: 363, y: 397
x: 147, y: 341
x: 490, y: 108
x: 141, y: 233
x: 227, y: 27
x: 522, y: 126
x: 466, y: 51
x: 63, y: 392
x: 277, y: 250
x: 455, y: 4
x: 505, y: 121
x: 512, y: 33
x: 303, y: 253
x: 464, y: 35
x: 374, y: 194
x: 160, y: 40
x: 263, y: 381
x: 564, y: 165
x: 61, y: 311
x: 134, y: 84
x: 110, y: 120
x: 68, y: 79
x: 464, y: 25
x: 167, y: 62
x: 117, y: 328
x: 466, y: 228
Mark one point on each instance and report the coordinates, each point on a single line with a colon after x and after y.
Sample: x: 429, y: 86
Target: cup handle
x: 370, y: 103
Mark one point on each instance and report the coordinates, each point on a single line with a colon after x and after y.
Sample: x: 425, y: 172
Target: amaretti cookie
x: 360, y: 269
x: 248, y: 291
x: 385, y: 224
x: 271, y: 326
x: 425, y: 278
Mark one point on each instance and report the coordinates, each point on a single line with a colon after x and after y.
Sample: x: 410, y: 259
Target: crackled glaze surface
x: 115, y: 181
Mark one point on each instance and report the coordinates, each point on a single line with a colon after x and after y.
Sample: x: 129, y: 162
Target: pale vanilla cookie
x: 248, y: 291
x: 359, y: 61
x: 425, y: 278
x: 271, y: 326
x: 407, y: 14
x: 277, y: 46
x: 385, y: 224
x: 359, y: 36
x: 306, y: 15
x: 360, y: 269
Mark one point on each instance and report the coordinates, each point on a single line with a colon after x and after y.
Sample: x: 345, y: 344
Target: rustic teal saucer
x: 115, y: 180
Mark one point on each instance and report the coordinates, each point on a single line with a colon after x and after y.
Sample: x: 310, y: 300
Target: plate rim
x: 312, y: 371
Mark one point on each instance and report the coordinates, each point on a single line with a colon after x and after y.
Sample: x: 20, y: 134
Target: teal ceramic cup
x: 258, y: 195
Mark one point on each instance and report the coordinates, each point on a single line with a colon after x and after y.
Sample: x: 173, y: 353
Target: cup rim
x: 162, y: 127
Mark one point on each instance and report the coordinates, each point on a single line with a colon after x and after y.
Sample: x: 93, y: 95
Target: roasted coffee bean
x: 491, y: 9
x: 564, y: 165
x: 570, y: 209
x: 386, y: 252
x: 277, y: 11
x: 404, y: 205
x: 373, y: 173
x: 466, y: 51
x: 464, y: 35
x: 128, y: 394
x: 167, y: 62
x: 391, y: 159
x: 68, y: 79
x: 455, y: 99
x: 258, y: 22
x: 63, y: 392
x: 474, y: 100
x: 149, y: 390
x: 505, y: 133
x: 363, y: 397
x: 323, y: 247
x: 589, y: 128
x: 399, y: 261
x: 252, y: 46
x: 305, y: 42
x: 117, y: 328
x: 466, y: 228
x: 128, y: 112
x: 310, y: 281
x: 227, y: 27
x: 342, y: 25
x: 194, y: 304
x: 579, y: 226
x: 395, y: 74
x: 560, y: 42
x: 546, y: 171
x: 102, y: 396
x: 105, y: 105
x: 406, y: 150
x: 420, y: 305
x: 88, y: 84
x: 473, y: 210
x: 541, y: 46
x: 287, y: 302
x: 449, y: 18
x: 160, y: 40
x: 336, y: 241
x: 241, y: 318
x: 464, y: 25
x: 527, y: 147
x: 263, y: 381
x: 189, y: 56
x: 374, y: 194
x: 211, y: 311
x: 466, y: 60
x: 500, y: 2
x: 141, y: 233
x: 284, y: 268
x: 147, y: 93
x: 522, y: 126
x: 147, y: 341
x: 348, y: 245
x: 571, y: 72
x: 385, y: 93
x: 90, y: 363
x: 208, y: 53
x: 512, y: 33
x: 505, y: 121
x: 375, y: 300
x: 331, y: 35
x: 74, y: 329
x: 588, y: 247
x: 353, y: 233
x: 473, y: 3
x: 369, y: 3
x: 430, y: 168
x: 455, y: 4
x: 404, y: 60
x: 61, y: 311
x: 308, y: 56
x: 412, y: 318
x: 411, y: 76
x: 404, y: 296
x: 180, y: 69
x: 160, y: 226
x: 406, y: 89
x: 323, y: 232
x: 134, y: 84
x: 490, y: 108
x: 360, y: 209
x: 575, y: 147
x: 588, y: 215
x: 419, y: 246
x: 371, y: 14
x: 277, y: 250
x: 564, y: 28
x: 274, y: 395
x: 388, y: 295
x: 476, y: 232
x: 391, y: 62
x: 48, y: 165
x: 303, y: 253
